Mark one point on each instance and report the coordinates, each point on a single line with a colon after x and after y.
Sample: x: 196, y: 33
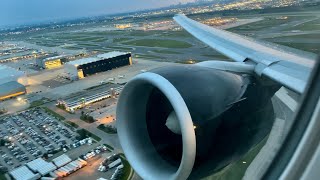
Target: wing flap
x: 292, y: 78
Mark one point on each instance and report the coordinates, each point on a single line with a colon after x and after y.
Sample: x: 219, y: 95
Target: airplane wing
x: 286, y: 68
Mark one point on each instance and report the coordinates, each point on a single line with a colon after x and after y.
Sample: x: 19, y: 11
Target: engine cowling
x: 175, y: 122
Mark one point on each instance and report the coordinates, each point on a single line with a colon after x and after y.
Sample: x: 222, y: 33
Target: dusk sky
x: 13, y: 12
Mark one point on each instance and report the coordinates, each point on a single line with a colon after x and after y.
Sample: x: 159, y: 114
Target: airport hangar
x: 81, y: 68
x: 51, y: 62
x: 12, y: 82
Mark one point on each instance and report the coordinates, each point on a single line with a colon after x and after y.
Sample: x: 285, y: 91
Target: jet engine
x: 189, y: 121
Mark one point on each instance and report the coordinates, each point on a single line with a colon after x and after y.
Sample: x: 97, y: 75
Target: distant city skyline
x: 18, y: 12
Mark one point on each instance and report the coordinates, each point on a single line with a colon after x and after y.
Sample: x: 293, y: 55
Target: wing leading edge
x: 286, y: 68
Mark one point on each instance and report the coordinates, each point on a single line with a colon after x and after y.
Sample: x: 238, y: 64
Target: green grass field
x: 109, y: 147
x: 38, y: 102
x: 309, y: 47
x: 267, y: 22
x: 301, y: 42
x: 179, y: 34
x: 142, y: 33
x: 308, y: 26
x: 73, y: 48
x: 236, y: 170
x: 126, y: 168
x: 107, y: 129
x: 2, y: 177
x: 302, y: 36
x: 146, y: 56
x: 88, y: 45
x: 120, y: 48
x: 101, y: 50
x: 159, y: 43
x: 216, y: 57
x: 90, y: 39
x: 72, y: 124
x: 165, y: 51
x: 117, y: 40
x: 53, y: 113
x: 85, y: 133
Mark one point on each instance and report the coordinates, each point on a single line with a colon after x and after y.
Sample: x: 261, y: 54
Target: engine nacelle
x: 187, y: 120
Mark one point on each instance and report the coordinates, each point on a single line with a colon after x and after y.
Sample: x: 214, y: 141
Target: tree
x: 3, y: 142
x: 90, y: 118
x: 82, y: 133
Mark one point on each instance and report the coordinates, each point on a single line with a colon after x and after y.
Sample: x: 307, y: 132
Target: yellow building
x: 51, y: 62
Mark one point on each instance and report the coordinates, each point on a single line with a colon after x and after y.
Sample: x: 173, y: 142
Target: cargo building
x: 12, y: 82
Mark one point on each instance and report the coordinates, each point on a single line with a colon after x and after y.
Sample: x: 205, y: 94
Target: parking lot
x: 31, y: 134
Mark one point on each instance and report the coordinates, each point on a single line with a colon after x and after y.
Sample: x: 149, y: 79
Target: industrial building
x: 12, y: 82
x: 81, y: 68
x: 51, y: 62
x: 41, y: 166
x: 23, y: 173
x: 40, y: 169
x: 11, y: 89
x: 73, y: 105
x: 61, y: 160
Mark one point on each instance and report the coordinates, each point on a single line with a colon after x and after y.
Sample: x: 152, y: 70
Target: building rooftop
x: 84, y: 61
x: 13, y: 55
x: 23, y: 173
x: 41, y: 166
x: 10, y: 88
x: 111, y: 54
x: 97, y: 58
x: 61, y: 160
x: 55, y: 57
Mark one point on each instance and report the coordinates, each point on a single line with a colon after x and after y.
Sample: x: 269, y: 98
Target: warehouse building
x: 40, y: 169
x: 51, y: 62
x: 11, y: 89
x: 23, y: 173
x: 41, y: 166
x: 12, y: 82
x: 81, y: 68
x: 61, y: 160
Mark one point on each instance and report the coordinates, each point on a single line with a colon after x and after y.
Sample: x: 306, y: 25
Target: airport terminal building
x: 81, y: 68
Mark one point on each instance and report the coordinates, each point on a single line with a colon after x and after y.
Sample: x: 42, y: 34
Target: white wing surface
x: 286, y: 68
